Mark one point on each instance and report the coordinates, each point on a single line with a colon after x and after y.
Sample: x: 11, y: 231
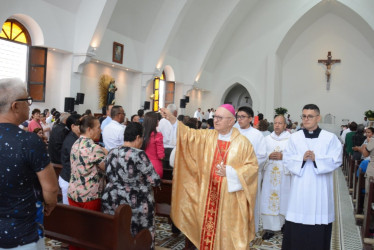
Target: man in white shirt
x: 169, y: 139
x: 113, y: 133
x: 108, y: 119
x: 277, y: 181
x: 366, y: 122
x: 244, y: 118
x: 211, y: 113
x: 206, y: 115
x: 311, y: 155
x: 345, y: 132
x: 198, y: 114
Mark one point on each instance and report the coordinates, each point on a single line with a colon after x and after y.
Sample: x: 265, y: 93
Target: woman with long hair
x: 130, y: 177
x: 87, y: 167
x: 153, y: 141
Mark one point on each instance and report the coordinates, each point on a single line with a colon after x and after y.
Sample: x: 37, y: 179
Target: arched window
x: 163, y: 92
x: 14, y: 31
x: 19, y: 59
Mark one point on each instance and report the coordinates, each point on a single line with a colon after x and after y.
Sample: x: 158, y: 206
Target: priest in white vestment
x: 244, y: 118
x: 277, y: 180
x: 311, y: 156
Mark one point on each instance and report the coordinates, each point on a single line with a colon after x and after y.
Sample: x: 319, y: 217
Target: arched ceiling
x: 134, y: 19
x: 319, y: 10
x: 193, y: 40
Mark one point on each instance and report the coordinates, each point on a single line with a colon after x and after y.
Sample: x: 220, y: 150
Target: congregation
x: 231, y: 170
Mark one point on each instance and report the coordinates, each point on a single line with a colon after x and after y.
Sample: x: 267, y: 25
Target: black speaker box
x: 80, y: 98
x: 147, y: 105
x: 69, y: 104
x: 187, y: 99
x: 182, y: 104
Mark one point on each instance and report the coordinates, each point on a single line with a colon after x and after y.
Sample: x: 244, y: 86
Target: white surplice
x: 311, y: 199
x: 258, y: 142
x: 275, y: 185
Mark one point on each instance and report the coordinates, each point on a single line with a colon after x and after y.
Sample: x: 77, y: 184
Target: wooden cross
x: 328, y: 64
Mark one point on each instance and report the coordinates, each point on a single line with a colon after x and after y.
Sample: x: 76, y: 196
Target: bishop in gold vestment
x: 202, y: 207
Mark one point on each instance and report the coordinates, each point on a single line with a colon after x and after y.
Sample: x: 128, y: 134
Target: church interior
x: 259, y: 53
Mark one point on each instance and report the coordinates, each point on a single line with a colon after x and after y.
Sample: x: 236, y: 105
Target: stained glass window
x: 15, y: 31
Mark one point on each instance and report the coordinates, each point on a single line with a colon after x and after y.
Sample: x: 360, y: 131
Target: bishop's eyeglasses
x: 219, y: 118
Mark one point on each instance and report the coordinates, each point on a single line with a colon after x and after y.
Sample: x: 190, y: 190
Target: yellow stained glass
x: 156, y: 95
x: 157, y: 81
x: 13, y: 31
x: 2, y: 34
x: 6, y: 28
x: 162, y: 76
x: 155, y: 106
x: 21, y: 38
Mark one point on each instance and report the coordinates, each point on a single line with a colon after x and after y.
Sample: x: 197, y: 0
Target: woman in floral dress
x: 87, y: 167
x: 130, y: 177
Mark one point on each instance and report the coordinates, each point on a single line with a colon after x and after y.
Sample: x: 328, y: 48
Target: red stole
x: 208, y: 232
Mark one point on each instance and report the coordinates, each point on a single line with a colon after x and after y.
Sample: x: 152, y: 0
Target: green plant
x: 369, y: 113
x: 280, y: 111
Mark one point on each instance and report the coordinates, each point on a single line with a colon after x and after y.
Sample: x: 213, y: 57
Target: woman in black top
x: 63, y: 180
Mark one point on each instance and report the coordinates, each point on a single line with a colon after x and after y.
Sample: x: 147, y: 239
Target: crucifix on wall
x: 328, y: 64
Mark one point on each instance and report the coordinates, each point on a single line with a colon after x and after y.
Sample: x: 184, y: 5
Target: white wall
x: 128, y: 84
x: 132, y: 51
x: 304, y: 80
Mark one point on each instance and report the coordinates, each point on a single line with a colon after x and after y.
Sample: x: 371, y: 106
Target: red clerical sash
x: 208, y: 232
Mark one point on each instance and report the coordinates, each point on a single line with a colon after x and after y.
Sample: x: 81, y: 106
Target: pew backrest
x: 95, y: 230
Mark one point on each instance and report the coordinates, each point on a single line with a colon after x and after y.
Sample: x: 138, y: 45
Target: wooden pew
x: 355, y: 179
x: 360, y: 196
x: 344, y: 161
x: 351, y: 166
x: 163, y: 198
x: 368, y: 242
x: 95, y: 230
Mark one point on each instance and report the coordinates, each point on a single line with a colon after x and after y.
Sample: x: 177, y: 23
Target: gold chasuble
x: 202, y: 208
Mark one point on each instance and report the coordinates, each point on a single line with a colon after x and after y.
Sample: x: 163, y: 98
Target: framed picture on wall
x: 117, y: 52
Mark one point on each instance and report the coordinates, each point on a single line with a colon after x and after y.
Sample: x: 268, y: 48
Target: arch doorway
x: 238, y: 96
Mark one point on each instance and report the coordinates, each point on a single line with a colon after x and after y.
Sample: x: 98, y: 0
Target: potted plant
x: 370, y: 115
x: 280, y: 111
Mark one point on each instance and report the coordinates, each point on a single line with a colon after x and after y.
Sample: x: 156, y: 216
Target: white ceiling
x: 68, y: 5
x: 134, y: 18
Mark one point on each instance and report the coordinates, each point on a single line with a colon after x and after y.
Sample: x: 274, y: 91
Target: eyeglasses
x: 308, y: 117
x: 219, y: 118
x: 241, y: 117
x: 28, y: 99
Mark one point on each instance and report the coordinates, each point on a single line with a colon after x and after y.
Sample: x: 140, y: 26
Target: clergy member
x: 245, y: 117
x: 277, y: 180
x: 214, y: 183
x: 311, y: 155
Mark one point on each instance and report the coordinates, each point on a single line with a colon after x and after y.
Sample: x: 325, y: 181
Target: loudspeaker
x: 69, y: 104
x: 80, y: 98
x: 187, y: 99
x: 147, y: 105
x: 182, y: 104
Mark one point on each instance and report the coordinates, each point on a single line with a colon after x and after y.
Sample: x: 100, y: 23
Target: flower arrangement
x: 369, y: 114
x: 280, y: 111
